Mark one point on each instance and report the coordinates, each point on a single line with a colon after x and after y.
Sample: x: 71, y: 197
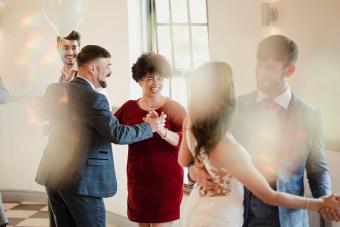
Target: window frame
x: 152, y: 38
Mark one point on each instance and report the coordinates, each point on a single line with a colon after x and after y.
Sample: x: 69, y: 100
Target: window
x: 178, y: 29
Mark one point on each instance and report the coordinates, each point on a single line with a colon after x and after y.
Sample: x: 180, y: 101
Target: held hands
x: 331, y: 207
x: 198, y: 173
x: 162, y: 131
x: 157, y: 122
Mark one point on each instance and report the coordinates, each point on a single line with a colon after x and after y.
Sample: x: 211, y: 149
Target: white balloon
x: 65, y: 15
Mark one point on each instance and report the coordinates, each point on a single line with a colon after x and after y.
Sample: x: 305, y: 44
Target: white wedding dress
x: 207, y: 210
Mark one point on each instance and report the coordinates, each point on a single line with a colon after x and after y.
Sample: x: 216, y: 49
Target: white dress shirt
x: 283, y: 99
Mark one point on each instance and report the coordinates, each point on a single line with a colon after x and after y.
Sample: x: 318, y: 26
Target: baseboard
x: 41, y: 197
x: 23, y: 196
x: 119, y: 220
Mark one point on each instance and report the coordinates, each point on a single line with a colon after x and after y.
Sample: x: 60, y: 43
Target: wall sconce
x: 269, y: 14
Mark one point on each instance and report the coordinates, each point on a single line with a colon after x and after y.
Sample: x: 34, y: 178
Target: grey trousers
x: 3, y: 217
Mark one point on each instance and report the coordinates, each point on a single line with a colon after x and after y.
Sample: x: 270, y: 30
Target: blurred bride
x: 206, y: 142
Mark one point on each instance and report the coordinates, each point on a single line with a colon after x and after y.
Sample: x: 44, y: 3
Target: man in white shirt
x: 68, y: 47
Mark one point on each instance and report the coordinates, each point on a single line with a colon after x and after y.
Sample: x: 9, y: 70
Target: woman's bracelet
x: 191, y: 181
x: 307, y: 203
x: 166, y: 133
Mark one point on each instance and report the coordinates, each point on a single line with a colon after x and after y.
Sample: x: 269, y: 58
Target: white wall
x: 29, y: 62
x: 235, y: 29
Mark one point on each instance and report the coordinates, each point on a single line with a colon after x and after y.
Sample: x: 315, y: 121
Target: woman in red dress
x: 155, y: 179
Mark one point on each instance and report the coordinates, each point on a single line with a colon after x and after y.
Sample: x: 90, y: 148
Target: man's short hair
x: 74, y: 35
x: 90, y: 53
x: 279, y: 48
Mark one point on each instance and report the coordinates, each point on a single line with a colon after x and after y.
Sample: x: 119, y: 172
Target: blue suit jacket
x: 303, y: 149
x: 78, y: 156
x: 3, y: 94
x: 3, y: 217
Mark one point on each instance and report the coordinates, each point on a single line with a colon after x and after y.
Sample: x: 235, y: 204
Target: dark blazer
x: 78, y: 155
x: 3, y: 217
x: 3, y: 99
x: 302, y: 149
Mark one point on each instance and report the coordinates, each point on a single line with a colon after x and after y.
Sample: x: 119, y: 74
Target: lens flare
x: 32, y: 117
x: 64, y: 98
x: 31, y: 20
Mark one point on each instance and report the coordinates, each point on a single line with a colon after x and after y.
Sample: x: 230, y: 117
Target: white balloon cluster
x: 64, y: 15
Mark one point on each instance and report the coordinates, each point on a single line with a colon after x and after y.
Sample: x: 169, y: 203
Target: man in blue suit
x: 283, y: 135
x: 77, y: 166
x: 4, y: 96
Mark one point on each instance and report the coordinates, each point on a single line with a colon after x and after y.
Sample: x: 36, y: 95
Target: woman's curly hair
x: 150, y: 63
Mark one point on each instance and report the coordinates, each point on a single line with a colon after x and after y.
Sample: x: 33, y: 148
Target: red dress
x: 155, y: 179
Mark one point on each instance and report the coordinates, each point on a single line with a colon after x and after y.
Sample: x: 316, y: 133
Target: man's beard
x: 67, y: 61
x: 103, y: 83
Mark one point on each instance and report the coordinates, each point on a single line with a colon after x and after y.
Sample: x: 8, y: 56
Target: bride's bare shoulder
x: 231, y: 148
